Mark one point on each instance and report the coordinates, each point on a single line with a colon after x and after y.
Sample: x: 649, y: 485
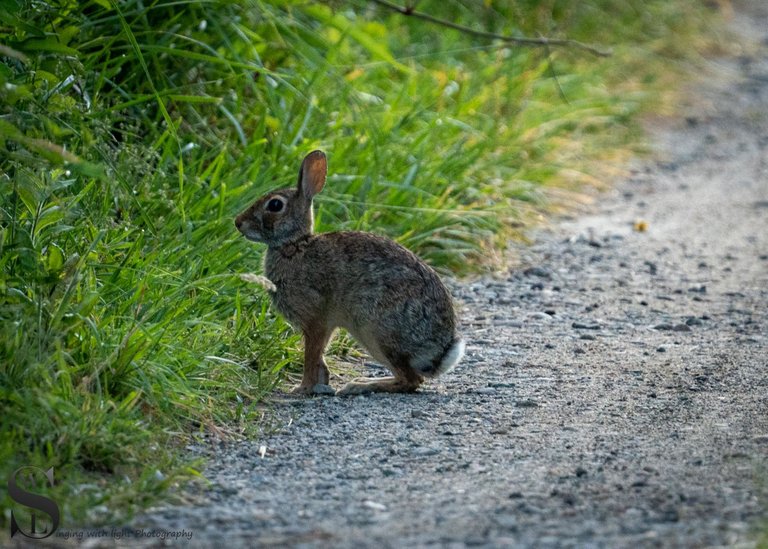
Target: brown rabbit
x: 385, y: 296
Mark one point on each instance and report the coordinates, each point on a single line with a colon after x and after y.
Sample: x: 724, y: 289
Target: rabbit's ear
x: 312, y: 174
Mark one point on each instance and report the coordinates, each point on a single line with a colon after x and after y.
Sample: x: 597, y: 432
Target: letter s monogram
x: 35, y: 501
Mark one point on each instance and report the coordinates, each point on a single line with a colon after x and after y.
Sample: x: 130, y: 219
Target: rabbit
x: 381, y: 293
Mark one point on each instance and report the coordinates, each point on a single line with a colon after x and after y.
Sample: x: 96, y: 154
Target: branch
x: 542, y: 41
x: 551, y: 69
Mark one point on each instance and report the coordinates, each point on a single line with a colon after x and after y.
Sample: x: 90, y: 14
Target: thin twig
x: 541, y: 41
x: 551, y: 69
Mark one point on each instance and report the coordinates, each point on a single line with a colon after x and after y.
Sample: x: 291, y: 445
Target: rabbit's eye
x: 275, y: 205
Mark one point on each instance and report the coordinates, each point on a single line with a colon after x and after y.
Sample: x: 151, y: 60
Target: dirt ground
x: 614, y: 391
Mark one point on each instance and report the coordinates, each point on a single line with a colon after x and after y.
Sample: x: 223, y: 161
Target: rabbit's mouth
x: 246, y: 228
x: 252, y: 235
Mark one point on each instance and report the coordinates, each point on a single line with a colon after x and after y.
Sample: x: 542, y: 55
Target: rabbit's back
x: 384, y: 295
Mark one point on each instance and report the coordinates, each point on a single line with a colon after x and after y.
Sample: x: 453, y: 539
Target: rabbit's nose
x: 238, y: 222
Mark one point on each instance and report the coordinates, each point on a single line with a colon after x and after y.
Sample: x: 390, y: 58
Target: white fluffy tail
x: 449, y: 360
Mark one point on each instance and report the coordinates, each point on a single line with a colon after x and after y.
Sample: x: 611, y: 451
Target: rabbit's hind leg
x: 405, y: 380
x: 378, y: 385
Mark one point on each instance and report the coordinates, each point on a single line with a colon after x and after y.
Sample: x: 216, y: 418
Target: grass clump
x: 132, y: 133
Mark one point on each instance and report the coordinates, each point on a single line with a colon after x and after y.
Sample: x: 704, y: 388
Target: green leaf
x: 29, y: 197
x: 47, y: 44
x: 48, y: 217
x: 55, y: 260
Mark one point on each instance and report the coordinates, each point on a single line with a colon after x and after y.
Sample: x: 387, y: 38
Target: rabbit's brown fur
x: 385, y: 296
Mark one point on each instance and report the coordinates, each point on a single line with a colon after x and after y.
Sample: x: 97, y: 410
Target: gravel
x: 613, y: 394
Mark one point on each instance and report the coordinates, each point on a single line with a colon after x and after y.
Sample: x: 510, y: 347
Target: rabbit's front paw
x: 316, y: 389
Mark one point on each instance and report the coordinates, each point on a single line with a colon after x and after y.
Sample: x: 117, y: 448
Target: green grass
x: 130, y: 136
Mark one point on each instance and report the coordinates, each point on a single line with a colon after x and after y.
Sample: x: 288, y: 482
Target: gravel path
x: 614, y: 391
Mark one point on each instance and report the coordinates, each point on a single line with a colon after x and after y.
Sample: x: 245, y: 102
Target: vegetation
x: 131, y: 133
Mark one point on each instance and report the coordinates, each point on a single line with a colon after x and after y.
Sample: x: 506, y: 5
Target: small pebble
x: 541, y: 272
x: 376, y: 506
x: 584, y: 326
x: 664, y: 327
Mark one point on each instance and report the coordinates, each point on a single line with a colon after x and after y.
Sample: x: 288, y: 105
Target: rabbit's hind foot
x: 380, y: 385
